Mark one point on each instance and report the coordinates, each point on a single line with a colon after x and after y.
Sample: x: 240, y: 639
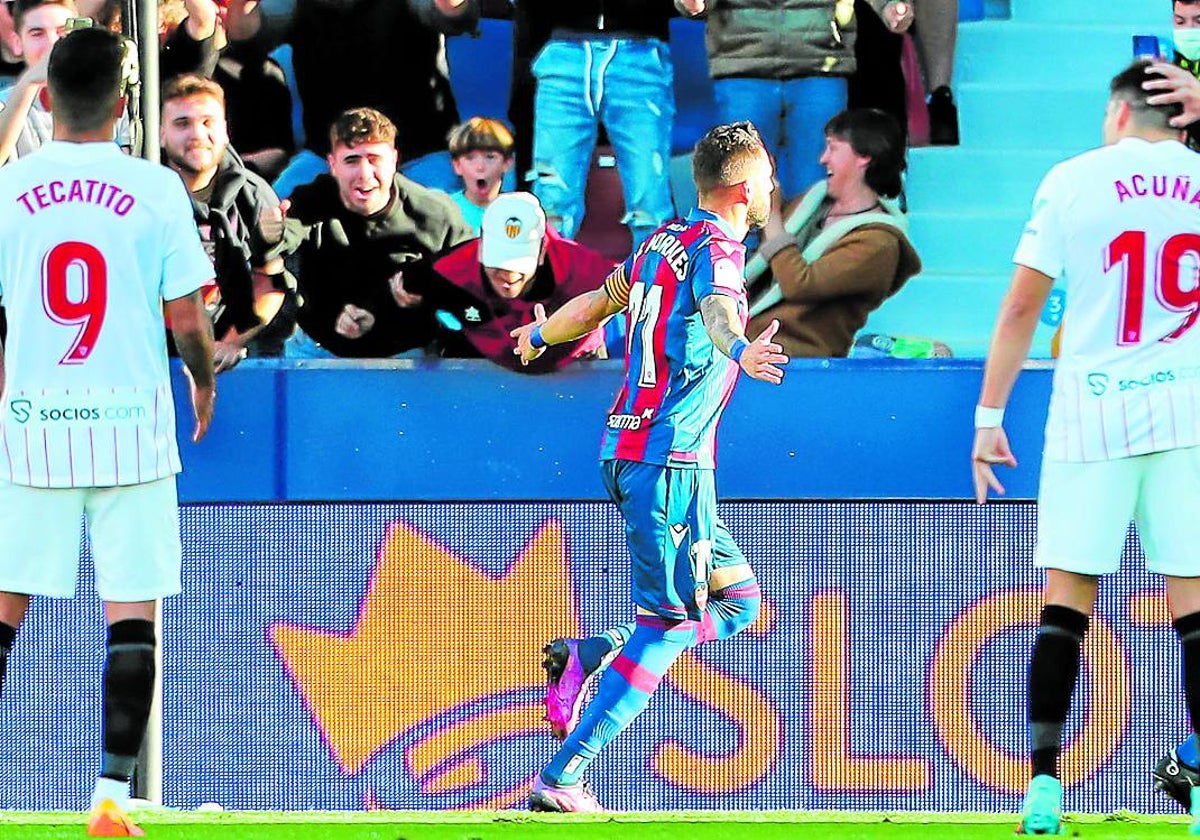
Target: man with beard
x: 686, y: 303
x: 353, y: 232
x: 227, y: 200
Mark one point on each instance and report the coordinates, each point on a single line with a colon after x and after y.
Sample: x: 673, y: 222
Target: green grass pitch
x: 517, y: 825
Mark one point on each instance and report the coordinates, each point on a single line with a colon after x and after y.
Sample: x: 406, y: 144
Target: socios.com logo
x: 1098, y: 382
x: 21, y: 409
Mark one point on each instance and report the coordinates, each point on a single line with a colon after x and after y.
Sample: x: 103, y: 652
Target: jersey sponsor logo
x: 1098, y: 383
x: 630, y: 422
x: 21, y: 410
x: 104, y: 409
x: 1158, y: 378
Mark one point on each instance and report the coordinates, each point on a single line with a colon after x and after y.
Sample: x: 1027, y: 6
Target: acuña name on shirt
x: 1178, y: 187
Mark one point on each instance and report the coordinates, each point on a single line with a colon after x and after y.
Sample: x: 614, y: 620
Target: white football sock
x: 112, y: 789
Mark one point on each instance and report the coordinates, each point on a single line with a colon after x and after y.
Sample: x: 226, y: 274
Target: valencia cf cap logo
x: 512, y: 227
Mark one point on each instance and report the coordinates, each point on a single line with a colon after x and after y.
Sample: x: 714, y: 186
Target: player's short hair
x: 192, y: 84
x: 873, y: 134
x: 362, y: 125
x: 1126, y: 86
x: 724, y: 155
x: 483, y: 134
x: 84, y: 77
x: 20, y: 8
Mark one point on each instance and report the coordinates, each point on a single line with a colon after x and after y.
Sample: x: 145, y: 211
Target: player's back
x: 1126, y: 222
x: 677, y: 382
x: 88, y: 252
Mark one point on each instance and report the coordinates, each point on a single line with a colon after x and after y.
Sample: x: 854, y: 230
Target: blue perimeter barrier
x: 375, y: 554
x: 470, y: 431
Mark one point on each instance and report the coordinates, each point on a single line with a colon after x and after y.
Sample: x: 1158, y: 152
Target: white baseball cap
x: 513, y: 230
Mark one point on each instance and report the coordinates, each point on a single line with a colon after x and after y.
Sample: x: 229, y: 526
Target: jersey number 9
x: 75, y: 294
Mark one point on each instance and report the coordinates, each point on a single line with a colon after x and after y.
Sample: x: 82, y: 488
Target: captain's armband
x: 616, y: 286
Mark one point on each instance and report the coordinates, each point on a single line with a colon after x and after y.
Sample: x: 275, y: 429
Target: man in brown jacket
x: 840, y: 251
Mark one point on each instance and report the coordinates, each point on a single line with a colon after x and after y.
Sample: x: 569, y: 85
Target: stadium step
x: 1018, y: 53
x: 921, y: 306
x: 1130, y: 13
x: 1031, y: 91
x: 972, y: 243
x: 957, y: 179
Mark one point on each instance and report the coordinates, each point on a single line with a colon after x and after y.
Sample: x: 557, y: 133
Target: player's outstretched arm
x: 193, y: 335
x: 761, y: 358
x: 575, y: 319
x: 1015, y: 325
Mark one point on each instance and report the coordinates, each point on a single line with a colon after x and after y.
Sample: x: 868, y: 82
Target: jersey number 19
x: 1129, y: 251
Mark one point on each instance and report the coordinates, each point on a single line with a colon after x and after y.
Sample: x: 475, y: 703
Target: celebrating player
x: 91, y: 244
x: 1122, y: 225
x: 684, y: 294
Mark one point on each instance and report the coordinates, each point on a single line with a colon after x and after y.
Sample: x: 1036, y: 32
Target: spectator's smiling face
x: 194, y: 133
x: 481, y: 172
x: 509, y: 285
x: 40, y: 30
x: 845, y: 168
x: 364, y: 173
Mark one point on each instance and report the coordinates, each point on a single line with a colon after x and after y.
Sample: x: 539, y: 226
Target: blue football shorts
x: 674, y: 534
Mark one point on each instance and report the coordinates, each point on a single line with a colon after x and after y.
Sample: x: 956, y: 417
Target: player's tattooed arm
x: 721, y: 319
x: 761, y: 358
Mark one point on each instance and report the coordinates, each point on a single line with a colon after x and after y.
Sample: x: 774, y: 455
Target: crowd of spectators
x: 381, y: 244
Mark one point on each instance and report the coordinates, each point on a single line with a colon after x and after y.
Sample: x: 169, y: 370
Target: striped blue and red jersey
x: 677, y: 382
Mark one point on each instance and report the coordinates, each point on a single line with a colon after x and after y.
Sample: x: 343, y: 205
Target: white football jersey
x: 1121, y: 224
x: 92, y: 242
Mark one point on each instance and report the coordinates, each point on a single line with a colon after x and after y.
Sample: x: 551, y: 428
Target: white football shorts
x: 1084, y: 510
x: 134, y: 530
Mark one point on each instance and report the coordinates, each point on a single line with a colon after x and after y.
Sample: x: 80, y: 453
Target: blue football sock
x: 593, y: 649
x: 1188, y: 752
x: 624, y: 691
x: 730, y: 611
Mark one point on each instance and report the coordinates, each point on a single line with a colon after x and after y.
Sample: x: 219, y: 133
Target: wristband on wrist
x: 987, y: 417
x: 535, y: 338
x: 738, y: 348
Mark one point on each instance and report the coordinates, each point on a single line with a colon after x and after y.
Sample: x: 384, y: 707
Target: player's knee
x: 738, y: 605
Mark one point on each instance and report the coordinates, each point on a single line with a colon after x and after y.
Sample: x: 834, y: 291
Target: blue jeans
x: 791, y: 117
x: 627, y: 85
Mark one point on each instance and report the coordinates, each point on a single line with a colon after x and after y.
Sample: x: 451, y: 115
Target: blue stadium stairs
x: 1031, y: 90
x: 1030, y: 80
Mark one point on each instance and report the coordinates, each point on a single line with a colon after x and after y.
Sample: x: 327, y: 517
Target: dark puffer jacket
x: 782, y: 39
